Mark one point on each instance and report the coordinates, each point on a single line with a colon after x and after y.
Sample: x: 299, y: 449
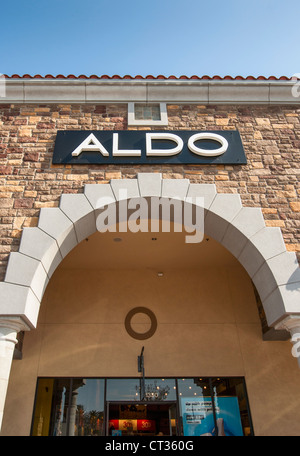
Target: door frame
x: 170, y: 403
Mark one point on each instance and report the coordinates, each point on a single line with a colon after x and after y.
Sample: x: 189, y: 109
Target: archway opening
x: 197, y: 301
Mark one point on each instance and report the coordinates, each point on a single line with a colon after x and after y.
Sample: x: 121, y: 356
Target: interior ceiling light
x: 160, y: 274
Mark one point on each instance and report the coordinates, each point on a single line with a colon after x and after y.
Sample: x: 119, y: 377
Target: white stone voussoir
x: 280, y: 270
x: 125, y: 188
x: 39, y: 245
x: 79, y: 210
x: 283, y: 301
x: 221, y: 212
x: 18, y: 301
x: 198, y: 191
x: 175, y: 188
x: 99, y: 195
x: 54, y: 222
x: 149, y: 184
x: 263, y: 245
x: 247, y: 222
x: 27, y: 271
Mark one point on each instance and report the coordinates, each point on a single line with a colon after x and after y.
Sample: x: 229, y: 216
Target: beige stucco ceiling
x: 161, y: 250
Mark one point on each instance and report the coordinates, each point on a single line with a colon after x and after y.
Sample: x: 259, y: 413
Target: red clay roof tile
x: 116, y: 76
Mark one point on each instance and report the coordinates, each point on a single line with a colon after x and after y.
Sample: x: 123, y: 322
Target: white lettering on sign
x: 209, y: 153
x: 92, y: 144
x: 123, y: 153
x: 165, y: 136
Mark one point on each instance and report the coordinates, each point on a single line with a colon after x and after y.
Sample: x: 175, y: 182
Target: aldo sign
x: 148, y: 147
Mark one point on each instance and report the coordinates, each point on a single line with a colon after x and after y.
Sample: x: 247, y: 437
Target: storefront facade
x: 115, y: 327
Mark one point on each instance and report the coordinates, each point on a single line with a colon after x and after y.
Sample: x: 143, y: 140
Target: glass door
x: 142, y: 418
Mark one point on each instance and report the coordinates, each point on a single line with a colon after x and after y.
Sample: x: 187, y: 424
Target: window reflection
x: 61, y: 394
x: 157, y: 389
x: 230, y: 394
x: 69, y: 407
x: 195, y: 387
x: 88, y: 416
x: 124, y: 389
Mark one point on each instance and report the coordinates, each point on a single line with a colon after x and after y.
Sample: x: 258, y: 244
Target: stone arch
x: 261, y: 250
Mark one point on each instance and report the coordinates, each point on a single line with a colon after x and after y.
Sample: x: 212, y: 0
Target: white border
x: 134, y: 122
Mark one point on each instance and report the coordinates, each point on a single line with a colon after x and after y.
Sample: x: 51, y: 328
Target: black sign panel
x: 137, y: 147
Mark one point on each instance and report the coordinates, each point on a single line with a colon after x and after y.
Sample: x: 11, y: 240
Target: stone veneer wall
x: 29, y: 181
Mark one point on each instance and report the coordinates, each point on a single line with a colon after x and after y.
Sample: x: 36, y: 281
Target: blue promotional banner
x: 198, y: 417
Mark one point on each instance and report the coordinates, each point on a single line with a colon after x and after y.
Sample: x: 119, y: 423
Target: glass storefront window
x: 87, y: 417
x: 193, y: 387
x: 231, y: 406
x: 51, y: 408
x: 42, y: 411
x: 66, y: 407
x: 213, y: 407
x: 175, y: 406
x: 123, y: 389
x: 60, y: 407
x: 196, y: 409
x: 160, y: 389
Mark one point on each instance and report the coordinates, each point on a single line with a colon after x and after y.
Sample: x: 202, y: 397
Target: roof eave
x: 31, y: 90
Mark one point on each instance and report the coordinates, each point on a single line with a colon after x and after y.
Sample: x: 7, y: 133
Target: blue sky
x: 141, y: 37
